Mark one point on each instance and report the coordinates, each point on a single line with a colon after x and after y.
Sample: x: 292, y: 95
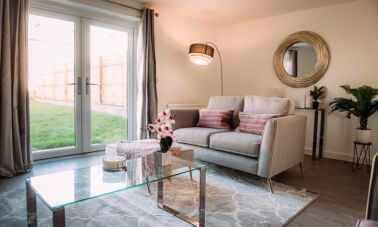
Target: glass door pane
x: 51, y: 77
x: 107, y: 84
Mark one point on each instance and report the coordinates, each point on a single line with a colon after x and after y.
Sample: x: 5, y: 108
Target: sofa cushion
x: 196, y: 135
x: 236, y: 142
x: 266, y: 105
x: 215, y: 118
x: 235, y: 103
x: 253, y: 123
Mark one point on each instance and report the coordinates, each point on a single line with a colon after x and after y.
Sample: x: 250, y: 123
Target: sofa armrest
x: 185, y: 118
x: 367, y: 223
x: 282, y: 145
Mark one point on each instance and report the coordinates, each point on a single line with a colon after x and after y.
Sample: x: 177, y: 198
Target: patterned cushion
x: 215, y: 118
x: 235, y: 103
x: 253, y: 123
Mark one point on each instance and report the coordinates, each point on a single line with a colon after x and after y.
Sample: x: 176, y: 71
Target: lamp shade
x: 201, y: 54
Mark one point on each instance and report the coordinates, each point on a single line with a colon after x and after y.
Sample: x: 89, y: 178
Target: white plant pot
x: 363, y: 136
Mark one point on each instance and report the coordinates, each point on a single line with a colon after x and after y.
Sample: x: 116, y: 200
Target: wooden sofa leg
x: 301, y: 166
x: 270, y: 184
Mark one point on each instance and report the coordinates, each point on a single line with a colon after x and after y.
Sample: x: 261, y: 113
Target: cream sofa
x: 278, y: 149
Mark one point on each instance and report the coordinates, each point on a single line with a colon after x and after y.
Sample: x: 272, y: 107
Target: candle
x: 113, y: 162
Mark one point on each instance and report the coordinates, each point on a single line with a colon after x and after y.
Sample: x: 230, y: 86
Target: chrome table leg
x: 202, y: 197
x: 202, y: 202
x: 59, y: 217
x: 31, y: 206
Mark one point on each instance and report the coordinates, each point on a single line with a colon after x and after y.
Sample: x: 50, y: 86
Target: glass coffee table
x: 57, y: 190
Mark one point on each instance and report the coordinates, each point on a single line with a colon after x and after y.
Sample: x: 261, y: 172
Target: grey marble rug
x: 233, y: 198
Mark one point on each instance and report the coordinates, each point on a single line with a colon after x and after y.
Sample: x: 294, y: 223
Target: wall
x: 178, y: 80
x: 351, y: 31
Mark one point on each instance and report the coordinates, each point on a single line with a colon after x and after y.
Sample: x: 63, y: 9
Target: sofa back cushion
x: 220, y: 119
x: 254, y: 123
x: 266, y: 105
x: 235, y: 103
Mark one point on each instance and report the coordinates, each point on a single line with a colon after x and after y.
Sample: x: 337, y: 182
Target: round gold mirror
x: 301, y: 59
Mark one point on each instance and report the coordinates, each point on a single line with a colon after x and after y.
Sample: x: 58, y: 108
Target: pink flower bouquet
x: 163, y: 129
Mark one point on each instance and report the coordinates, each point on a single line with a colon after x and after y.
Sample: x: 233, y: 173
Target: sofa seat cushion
x: 196, y: 135
x: 237, y: 142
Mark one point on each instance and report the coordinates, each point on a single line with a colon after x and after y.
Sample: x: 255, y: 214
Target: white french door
x: 106, y: 56
x: 81, y: 83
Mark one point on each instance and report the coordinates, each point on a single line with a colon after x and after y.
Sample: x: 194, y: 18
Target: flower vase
x: 165, y: 143
x: 163, y: 159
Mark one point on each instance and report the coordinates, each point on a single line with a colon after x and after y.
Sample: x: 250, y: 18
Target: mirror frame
x: 322, y: 55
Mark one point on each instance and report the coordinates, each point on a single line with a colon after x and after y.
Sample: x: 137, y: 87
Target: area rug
x: 233, y: 198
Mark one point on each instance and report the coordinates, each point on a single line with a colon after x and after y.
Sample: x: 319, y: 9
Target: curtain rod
x: 127, y: 6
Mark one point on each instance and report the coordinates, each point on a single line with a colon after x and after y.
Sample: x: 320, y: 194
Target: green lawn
x: 52, y: 126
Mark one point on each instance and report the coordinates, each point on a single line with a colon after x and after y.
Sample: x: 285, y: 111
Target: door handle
x: 87, y: 84
x: 78, y: 85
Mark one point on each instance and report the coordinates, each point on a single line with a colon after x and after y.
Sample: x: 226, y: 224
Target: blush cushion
x: 215, y: 118
x: 253, y: 123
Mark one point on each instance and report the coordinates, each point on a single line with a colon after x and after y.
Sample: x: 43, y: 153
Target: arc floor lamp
x: 202, y: 54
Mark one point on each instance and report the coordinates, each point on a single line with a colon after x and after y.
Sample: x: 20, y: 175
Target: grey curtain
x: 15, y: 155
x: 146, y: 73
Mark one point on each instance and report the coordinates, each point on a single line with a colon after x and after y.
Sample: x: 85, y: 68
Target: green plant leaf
x: 362, y: 106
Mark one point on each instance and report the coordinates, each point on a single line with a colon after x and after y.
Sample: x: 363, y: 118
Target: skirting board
x: 333, y: 155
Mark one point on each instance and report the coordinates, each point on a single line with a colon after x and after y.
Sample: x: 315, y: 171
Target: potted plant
x: 362, y: 106
x: 164, y: 132
x: 317, y: 94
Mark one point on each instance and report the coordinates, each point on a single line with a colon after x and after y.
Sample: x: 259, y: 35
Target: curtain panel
x: 15, y: 154
x: 146, y: 74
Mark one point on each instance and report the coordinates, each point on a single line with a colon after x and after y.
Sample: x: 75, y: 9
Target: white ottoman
x: 141, y: 148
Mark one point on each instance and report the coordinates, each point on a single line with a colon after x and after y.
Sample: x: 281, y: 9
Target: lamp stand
x: 221, y: 63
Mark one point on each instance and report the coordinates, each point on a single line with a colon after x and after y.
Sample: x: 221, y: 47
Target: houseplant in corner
x: 164, y: 132
x: 317, y: 94
x: 362, y: 106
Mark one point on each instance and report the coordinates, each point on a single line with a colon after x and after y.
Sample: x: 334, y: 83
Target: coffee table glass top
x: 67, y: 187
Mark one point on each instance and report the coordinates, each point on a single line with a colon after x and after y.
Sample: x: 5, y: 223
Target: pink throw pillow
x: 215, y: 118
x: 253, y: 123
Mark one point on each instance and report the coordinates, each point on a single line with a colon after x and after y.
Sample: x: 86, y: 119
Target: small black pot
x: 315, y: 104
x: 165, y: 144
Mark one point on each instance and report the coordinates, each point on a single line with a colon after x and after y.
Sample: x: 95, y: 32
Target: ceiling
x: 234, y: 11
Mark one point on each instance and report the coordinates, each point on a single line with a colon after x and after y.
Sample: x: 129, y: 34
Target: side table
x: 316, y: 128
x: 365, y: 150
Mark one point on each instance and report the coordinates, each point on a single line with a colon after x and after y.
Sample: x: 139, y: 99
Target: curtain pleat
x: 15, y: 152
x: 146, y: 74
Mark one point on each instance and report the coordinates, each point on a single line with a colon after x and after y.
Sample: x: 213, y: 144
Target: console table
x: 315, y: 153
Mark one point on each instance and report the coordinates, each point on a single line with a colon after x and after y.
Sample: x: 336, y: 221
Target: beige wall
x: 178, y: 80
x: 351, y: 31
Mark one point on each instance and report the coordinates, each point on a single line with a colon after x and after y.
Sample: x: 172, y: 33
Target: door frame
x: 81, y: 16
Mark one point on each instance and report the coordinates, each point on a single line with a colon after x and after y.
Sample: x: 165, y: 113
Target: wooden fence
x: 108, y: 73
